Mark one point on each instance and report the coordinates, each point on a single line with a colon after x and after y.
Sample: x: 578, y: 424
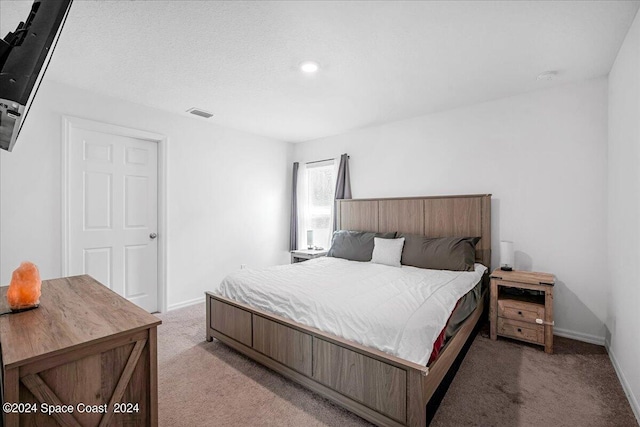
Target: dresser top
x: 74, y: 312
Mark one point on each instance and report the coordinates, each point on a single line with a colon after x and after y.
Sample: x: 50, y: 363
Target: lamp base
x: 19, y: 310
x: 505, y: 268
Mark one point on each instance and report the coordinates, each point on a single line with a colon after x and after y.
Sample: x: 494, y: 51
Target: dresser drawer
x: 520, y: 310
x: 517, y: 329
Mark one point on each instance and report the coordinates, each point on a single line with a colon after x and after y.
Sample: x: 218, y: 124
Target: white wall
x: 623, y: 322
x: 228, y: 192
x: 543, y: 157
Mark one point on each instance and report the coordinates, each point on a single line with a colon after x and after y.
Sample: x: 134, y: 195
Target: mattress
x: 400, y: 311
x: 464, y: 308
x: 466, y: 305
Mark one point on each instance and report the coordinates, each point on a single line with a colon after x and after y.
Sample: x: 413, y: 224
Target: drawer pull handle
x: 519, y: 330
x: 520, y: 313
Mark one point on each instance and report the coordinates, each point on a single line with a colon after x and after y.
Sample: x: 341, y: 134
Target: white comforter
x: 400, y: 311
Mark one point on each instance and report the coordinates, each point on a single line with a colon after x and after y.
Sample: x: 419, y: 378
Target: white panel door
x: 113, y: 213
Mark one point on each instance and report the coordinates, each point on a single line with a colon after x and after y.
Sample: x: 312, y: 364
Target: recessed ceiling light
x: 309, y: 66
x: 548, y: 75
x: 200, y: 112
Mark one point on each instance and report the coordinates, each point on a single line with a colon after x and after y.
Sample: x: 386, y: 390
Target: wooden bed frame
x: 383, y: 389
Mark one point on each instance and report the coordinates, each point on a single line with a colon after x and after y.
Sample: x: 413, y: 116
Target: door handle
x: 153, y: 235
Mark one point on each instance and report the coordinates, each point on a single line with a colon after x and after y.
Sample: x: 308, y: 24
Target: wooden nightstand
x: 300, y: 255
x: 519, y: 314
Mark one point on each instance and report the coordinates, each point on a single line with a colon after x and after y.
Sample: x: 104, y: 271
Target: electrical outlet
x: 243, y: 266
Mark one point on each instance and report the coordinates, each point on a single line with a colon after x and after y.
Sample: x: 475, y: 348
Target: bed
x: 389, y: 386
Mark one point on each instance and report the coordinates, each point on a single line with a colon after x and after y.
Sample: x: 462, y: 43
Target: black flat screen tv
x: 24, y: 56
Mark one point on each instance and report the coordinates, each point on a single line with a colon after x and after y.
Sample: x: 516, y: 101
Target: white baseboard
x: 593, y: 339
x: 633, y: 400
x: 183, y: 304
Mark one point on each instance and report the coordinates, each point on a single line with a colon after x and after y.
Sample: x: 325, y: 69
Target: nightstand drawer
x: 520, y: 310
x: 521, y: 330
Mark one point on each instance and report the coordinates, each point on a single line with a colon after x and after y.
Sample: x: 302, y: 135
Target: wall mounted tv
x: 24, y: 56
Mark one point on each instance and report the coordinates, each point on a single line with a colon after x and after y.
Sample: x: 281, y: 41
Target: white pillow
x: 387, y: 251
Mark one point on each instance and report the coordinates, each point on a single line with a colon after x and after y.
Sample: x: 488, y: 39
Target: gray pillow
x: 440, y: 253
x: 355, y: 245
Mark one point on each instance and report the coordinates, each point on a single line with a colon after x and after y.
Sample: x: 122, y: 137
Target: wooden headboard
x: 438, y: 216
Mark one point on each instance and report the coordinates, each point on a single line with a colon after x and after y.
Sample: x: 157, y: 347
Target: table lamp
x: 24, y: 291
x: 506, y: 255
x: 309, y: 239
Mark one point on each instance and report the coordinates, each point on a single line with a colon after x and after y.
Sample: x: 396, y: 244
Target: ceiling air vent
x: 199, y: 112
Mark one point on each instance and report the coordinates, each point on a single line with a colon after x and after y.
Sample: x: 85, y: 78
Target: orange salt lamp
x: 24, y: 290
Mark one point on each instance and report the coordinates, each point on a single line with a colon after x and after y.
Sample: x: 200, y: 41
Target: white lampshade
x: 309, y: 238
x: 506, y: 253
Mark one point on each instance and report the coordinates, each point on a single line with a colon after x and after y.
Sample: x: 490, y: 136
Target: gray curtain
x: 293, y: 230
x: 343, y: 185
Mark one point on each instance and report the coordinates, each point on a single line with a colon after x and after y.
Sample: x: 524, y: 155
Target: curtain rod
x: 325, y: 160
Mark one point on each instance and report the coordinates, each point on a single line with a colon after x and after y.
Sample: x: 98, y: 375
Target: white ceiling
x: 380, y: 61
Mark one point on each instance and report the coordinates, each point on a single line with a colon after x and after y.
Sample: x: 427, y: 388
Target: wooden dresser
x: 522, y: 306
x: 86, y: 353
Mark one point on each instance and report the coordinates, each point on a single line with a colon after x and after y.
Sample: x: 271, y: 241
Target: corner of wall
x: 622, y: 218
x: 633, y: 399
x: 579, y: 336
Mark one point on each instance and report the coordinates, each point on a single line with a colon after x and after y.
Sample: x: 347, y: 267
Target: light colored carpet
x: 500, y: 383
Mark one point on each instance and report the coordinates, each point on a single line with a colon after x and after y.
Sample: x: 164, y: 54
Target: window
x: 316, y: 201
